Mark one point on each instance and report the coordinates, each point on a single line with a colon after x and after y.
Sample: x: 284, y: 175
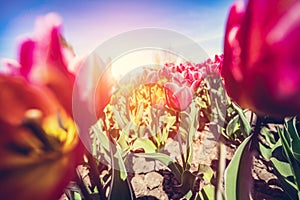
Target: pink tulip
x: 261, y: 66
x: 178, y: 97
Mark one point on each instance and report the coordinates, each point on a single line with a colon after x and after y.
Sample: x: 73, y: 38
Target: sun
x: 142, y: 58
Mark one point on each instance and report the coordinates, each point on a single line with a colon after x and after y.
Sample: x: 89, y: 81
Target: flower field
x: 225, y: 127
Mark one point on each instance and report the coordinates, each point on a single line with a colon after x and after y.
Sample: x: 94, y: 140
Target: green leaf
x: 100, y: 135
x: 268, y: 136
x: 120, y: 186
x: 235, y: 178
x: 245, y: 123
x: 170, y: 122
x: 121, y: 121
x: 77, y: 196
x: 120, y: 189
x: 283, y: 168
x: 188, y: 195
x: 175, y: 168
x: 284, y: 136
x: 283, y: 171
x: 265, y: 151
x: 129, y: 126
x: 139, y: 113
x: 290, y: 126
x: 233, y: 126
x: 207, y: 192
x: 144, y: 143
x: 207, y: 172
x: 194, y: 118
x: 123, y: 141
x: 100, y: 142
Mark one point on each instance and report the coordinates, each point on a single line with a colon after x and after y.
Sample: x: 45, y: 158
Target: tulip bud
x: 261, y: 66
x: 178, y: 97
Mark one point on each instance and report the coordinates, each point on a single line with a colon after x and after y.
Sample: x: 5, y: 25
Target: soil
x: 152, y: 180
x: 159, y: 183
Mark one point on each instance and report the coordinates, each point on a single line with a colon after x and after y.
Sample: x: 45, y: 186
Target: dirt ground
x: 152, y: 180
x: 156, y: 182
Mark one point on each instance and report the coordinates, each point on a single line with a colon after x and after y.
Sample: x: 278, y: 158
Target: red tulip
x: 43, y: 60
x: 261, y: 66
x: 39, y: 145
x: 178, y: 97
x: 39, y: 150
x: 104, y: 90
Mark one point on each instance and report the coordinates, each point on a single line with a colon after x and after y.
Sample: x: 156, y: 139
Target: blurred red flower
x: 39, y: 146
x: 44, y: 58
x: 261, y: 66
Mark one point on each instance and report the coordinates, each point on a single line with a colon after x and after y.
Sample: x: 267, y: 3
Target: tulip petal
x: 27, y: 170
x: 178, y: 98
x: 261, y: 68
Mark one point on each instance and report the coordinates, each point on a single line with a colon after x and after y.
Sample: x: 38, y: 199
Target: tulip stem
x: 179, y: 140
x: 81, y: 185
x: 256, y: 131
x: 95, y: 175
x: 251, y: 118
x: 248, y: 158
x: 219, y: 193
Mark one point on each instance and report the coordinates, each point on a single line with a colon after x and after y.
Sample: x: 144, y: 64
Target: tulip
x: 152, y: 78
x: 104, y: 90
x: 43, y: 60
x: 178, y: 97
x: 261, y: 66
x: 39, y: 146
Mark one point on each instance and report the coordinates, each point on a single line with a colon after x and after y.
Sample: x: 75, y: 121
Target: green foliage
x: 235, y: 178
x: 120, y: 185
x: 137, y: 123
x: 283, y: 152
x: 289, y: 139
x: 238, y: 126
x: 187, y: 179
x: 208, y: 190
x: 174, y: 166
x: 114, y: 181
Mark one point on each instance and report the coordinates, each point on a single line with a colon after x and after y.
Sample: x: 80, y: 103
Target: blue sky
x: 89, y: 23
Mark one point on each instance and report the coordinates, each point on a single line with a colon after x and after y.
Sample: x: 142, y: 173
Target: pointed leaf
x: 207, y: 172
x: 233, y: 126
x: 244, y: 121
x: 289, y: 155
x: 175, y: 168
x: 268, y: 136
x: 144, y: 143
x: 290, y: 126
x: 120, y: 186
x: 207, y: 192
x: 265, y: 151
x: 235, y: 177
x: 120, y: 189
x: 283, y: 171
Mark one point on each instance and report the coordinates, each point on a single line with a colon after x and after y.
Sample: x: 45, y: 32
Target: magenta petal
x: 261, y: 57
x: 26, y: 57
x: 54, y: 56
